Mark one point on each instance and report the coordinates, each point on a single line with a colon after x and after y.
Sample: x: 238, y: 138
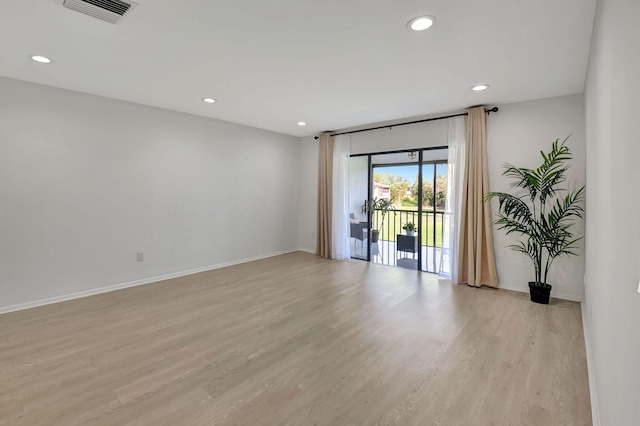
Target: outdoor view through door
x: 406, y: 222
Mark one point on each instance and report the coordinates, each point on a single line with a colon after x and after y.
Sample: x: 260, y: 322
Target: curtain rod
x: 390, y: 126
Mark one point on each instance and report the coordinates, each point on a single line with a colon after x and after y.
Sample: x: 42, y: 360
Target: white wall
x: 420, y: 135
x: 86, y: 182
x: 611, y: 309
x: 308, y: 195
x: 516, y: 135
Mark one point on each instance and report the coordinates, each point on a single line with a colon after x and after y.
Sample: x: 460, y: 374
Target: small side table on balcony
x: 407, y: 244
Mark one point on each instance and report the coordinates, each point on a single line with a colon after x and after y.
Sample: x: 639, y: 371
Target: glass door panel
x: 434, y: 190
x: 395, y: 219
x: 358, y: 194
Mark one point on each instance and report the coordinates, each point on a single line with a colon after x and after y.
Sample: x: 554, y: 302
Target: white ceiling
x: 332, y: 63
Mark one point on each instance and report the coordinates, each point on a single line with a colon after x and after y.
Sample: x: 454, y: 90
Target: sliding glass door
x: 406, y: 191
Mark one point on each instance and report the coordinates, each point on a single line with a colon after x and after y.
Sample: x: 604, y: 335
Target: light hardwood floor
x: 297, y: 340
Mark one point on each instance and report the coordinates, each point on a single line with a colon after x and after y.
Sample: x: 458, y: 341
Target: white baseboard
x: 555, y: 294
x: 119, y: 286
x: 306, y: 250
x: 593, y: 392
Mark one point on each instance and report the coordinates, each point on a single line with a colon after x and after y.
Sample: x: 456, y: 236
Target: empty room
x: 319, y: 213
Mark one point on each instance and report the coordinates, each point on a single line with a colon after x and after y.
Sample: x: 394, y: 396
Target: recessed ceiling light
x: 421, y: 23
x: 302, y: 123
x: 480, y: 87
x: 209, y: 100
x: 41, y: 59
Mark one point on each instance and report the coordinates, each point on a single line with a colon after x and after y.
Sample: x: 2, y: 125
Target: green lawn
x: 394, y: 221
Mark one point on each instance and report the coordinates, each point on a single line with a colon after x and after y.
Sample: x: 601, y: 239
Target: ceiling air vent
x: 112, y: 11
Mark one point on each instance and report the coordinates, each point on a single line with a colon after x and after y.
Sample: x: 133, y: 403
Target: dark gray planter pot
x: 539, y: 294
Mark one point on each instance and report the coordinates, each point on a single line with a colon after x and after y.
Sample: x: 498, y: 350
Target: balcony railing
x: 430, y: 234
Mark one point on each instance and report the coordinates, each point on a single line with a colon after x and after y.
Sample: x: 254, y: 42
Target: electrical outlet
x: 140, y: 256
x: 639, y: 287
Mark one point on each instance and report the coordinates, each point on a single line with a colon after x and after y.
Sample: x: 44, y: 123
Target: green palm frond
x: 567, y: 208
x: 528, y: 249
x: 511, y: 226
x: 553, y: 170
x: 524, y: 178
x: 512, y: 206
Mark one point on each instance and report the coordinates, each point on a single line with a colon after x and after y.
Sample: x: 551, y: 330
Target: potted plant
x: 542, y: 215
x: 383, y: 205
x: 410, y: 227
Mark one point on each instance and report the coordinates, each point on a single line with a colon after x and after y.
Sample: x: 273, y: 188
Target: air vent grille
x: 113, y: 5
x: 108, y: 10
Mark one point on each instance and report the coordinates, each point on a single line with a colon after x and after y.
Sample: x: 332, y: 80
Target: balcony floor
x: 384, y: 252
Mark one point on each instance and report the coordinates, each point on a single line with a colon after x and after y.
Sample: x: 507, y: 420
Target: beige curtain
x: 325, y: 195
x: 476, y: 263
